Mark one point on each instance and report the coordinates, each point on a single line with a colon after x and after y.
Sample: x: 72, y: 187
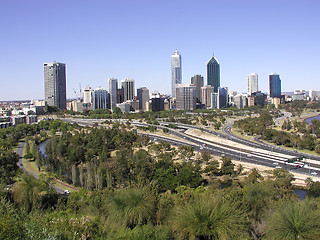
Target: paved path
x: 59, y: 185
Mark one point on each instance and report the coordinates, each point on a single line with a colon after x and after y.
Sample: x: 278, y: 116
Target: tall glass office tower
x: 274, y: 85
x: 113, y: 91
x: 55, y: 84
x: 213, y: 73
x: 176, y: 73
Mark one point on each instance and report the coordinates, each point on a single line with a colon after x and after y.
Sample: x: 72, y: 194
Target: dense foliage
x: 132, y: 188
x: 295, y: 134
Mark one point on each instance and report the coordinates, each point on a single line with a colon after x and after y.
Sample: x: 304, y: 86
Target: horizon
x: 101, y: 40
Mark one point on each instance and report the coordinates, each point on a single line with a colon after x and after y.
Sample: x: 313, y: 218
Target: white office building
x: 252, y: 83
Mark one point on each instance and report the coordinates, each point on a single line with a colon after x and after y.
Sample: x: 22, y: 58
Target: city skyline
x: 139, y: 44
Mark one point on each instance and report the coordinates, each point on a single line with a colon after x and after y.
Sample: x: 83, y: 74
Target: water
x: 308, y: 120
x: 42, y: 148
x: 301, y: 193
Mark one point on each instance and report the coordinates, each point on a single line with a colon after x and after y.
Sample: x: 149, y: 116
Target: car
x: 278, y: 167
x: 66, y: 192
x: 298, y: 166
x: 314, y: 173
x: 275, y: 163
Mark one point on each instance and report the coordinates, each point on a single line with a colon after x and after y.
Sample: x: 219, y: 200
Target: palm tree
x: 294, y: 220
x: 131, y: 207
x: 27, y: 191
x: 209, y: 218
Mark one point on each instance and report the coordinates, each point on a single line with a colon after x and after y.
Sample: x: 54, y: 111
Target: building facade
x: 128, y: 89
x: 213, y: 73
x: 113, y: 91
x: 274, y: 85
x: 186, y: 97
x: 100, y: 99
x: 143, y: 96
x: 252, y: 83
x: 206, y: 95
x: 55, y: 84
x: 197, y: 80
x: 222, y: 97
x: 176, y: 72
x: 87, y: 95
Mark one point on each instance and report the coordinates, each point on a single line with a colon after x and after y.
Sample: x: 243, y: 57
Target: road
x: 59, y: 185
x: 247, y: 151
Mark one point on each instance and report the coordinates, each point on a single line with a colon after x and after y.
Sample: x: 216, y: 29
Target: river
x: 308, y: 120
x: 42, y: 147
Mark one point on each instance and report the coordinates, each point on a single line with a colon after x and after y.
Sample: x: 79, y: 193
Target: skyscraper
x: 100, y: 98
x: 213, y: 73
x: 87, y: 94
x: 274, y: 85
x: 186, y: 97
x: 206, y: 95
x: 197, y: 80
x: 113, y: 91
x: 252, y: 83
x: 143, y: 97
x: 176, y: 74
x: 55, y: 84
x: 128, y: 89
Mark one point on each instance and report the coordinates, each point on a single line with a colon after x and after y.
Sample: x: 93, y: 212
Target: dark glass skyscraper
x: 213, y: 73
x: 55, y: 84
x: 274, y: 85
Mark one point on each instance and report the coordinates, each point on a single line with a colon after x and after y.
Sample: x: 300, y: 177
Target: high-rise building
x: 252, y: 83
x: 157, y: 103
x: 206, y: 95
x: 213, y: 73
x: 274, y: 85
x: 186, y: 97
x: 222, y: 97
x: 128, y: 89
x: 87, y: 94
x: 197, y: 80
x: 176, y: 73
x: 100, y: 98
x: 113, y: 91
x: 143, y: 97
x: 55, y: 84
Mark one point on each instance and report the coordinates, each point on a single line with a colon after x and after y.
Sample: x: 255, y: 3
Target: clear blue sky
x: 101, y: 39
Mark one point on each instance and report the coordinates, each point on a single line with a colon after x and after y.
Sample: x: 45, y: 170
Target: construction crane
x: 78, y: 98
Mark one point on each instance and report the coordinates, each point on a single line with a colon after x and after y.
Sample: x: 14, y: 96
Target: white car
x: 278, y: 167
x: 275, y: 163
x: 314, y: 173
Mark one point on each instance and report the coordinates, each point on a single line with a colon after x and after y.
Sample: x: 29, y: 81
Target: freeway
x: 244, y: 150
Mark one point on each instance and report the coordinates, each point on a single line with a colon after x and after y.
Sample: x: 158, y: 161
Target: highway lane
x: 240, y: 154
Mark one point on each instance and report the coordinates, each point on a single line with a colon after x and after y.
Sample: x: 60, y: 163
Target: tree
x: 26, y: 192
x: 209, y: 217
x: 205, y: 156
x: 295, y: 220
x: 227, y: 166
x: 131, y: 207
x: 186, y: 152
x: 8, y: 164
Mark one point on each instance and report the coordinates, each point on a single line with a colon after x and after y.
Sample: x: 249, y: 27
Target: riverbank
x: 31, y: 168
